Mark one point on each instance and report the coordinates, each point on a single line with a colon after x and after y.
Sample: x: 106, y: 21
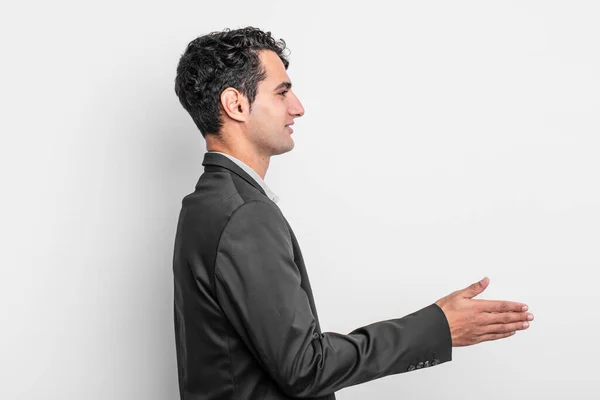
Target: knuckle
x: 481, y: 319
x: 490, y: 329
x: 500, y: 329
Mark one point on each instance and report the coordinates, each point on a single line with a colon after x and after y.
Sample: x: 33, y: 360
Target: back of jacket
x: 246, y: 325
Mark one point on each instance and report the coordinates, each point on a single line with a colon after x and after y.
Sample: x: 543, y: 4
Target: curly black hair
x: 218, y: 60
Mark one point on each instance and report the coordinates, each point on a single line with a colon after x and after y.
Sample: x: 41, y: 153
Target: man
x: 245, y: 321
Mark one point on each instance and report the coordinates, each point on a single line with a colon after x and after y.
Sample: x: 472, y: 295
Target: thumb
x: 476, y: 288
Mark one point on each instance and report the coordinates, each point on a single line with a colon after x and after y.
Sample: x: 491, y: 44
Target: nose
x: 296, y: 107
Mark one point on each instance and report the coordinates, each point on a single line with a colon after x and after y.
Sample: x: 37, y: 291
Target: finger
x: 493, y: 336
x: 500, y: 306
x: 507, y: 317
x: 503, y: 328
x: 475, y: 288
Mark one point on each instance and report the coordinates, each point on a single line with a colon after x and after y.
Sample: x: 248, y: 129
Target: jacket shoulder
x: 205, y: 213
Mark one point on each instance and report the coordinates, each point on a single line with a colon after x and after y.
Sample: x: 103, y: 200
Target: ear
x: 234, y: 104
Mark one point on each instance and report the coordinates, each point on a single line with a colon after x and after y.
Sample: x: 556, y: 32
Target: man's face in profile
x: 274, y: 107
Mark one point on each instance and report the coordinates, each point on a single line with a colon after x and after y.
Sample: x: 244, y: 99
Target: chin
x: 284, y: 149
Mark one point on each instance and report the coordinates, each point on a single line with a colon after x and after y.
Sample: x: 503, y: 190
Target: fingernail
x: 525, y: 324
x: 530, y: 317
x: 525, y: 308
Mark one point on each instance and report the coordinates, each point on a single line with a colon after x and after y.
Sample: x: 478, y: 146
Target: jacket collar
x: 220, y: 160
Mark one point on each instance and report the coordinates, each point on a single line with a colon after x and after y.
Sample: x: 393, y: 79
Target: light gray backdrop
x: 442, y: 142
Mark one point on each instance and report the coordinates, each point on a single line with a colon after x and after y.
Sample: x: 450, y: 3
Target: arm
x: 258, y: 287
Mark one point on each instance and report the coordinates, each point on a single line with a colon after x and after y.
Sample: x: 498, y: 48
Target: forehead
x: 274, y: 68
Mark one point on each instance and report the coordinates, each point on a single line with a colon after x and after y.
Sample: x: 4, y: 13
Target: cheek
x: 265, y: 112
x: 273, y: 114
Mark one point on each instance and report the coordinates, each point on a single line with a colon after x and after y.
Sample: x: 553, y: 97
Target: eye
x: 283, y: 93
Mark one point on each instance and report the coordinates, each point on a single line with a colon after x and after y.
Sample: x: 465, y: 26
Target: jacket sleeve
x: 258, y: 287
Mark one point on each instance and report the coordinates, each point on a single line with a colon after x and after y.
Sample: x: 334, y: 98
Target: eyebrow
x: 286, y: 85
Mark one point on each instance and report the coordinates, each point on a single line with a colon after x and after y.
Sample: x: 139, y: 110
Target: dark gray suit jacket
x: 246, y: 325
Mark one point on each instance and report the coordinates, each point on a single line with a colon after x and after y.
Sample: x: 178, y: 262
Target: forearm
x: 332, y: 361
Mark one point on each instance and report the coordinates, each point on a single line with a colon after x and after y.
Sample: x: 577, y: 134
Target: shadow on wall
x: 152, y: 157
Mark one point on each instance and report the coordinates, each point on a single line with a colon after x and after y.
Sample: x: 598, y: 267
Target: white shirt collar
x: 253, y: 174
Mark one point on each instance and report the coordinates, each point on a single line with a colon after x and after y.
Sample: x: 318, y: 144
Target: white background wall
x: 462, y: 137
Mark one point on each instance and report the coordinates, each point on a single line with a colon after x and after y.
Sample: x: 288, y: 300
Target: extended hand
x: 473, y: 321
